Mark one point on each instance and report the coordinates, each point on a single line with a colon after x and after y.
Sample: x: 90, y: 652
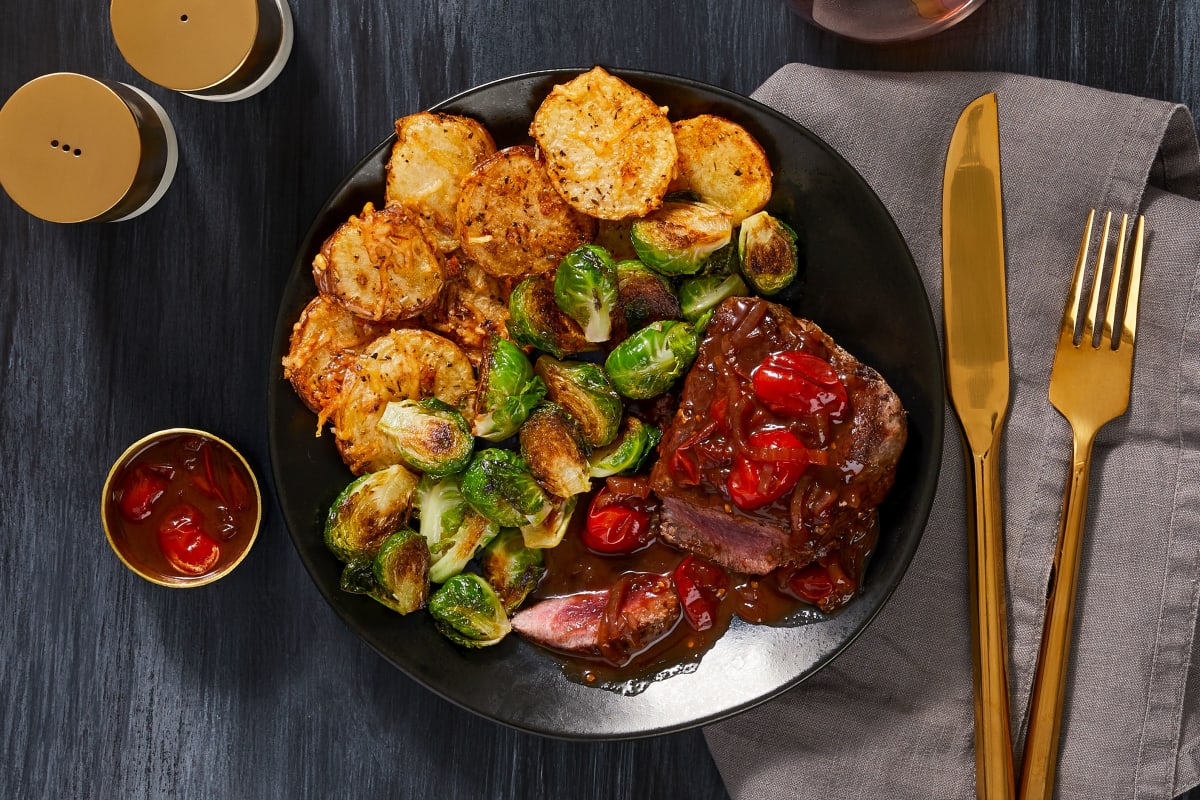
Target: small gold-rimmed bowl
x: 181, y: 507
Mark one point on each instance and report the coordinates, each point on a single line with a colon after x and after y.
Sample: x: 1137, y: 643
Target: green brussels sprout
x: 648, y: 362
x: 723, y: 262
x: 550, y: 530
x: 768, y: 252
x: 453, y: 530
x: 628, y: 451
x: 370, y: 509
x: 586, y: 393
x: 644, y: 296
x: 535, y: 320
x: 677, y: 238
x: 467, y: 611
x: 401, y: 571
x: 508, y: 390
x: 511, y: 568
x: 499, y: 485
x: 552, y: 445
x: 698, y: 296
x: 358, y: 576
x: 431, y: 436
x: 585, y: 288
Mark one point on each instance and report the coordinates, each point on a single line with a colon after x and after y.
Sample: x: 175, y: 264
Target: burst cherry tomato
x: 185, y: 543
x: 772, y: 467
x: 701, y: 586
x: 797, y: 383
x: 617, y: 524
x: 140, y: 490
x: 813, y: 583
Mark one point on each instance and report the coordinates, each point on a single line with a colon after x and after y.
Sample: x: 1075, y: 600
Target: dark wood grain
x: 114, y: 688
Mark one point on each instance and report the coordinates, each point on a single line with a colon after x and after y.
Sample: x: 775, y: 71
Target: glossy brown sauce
x: 200, y: 471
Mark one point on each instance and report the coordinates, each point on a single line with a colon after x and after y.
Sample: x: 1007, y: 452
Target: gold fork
x: 1090, y: 387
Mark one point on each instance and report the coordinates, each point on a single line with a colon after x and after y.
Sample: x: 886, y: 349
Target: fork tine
x: 1114, y: 288
x: 1070, y: 321
x: 1129, y: 324
x: 1089, y: 322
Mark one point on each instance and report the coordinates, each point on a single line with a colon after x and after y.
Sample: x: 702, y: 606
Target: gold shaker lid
x: 70, y: 148
x: 186, y: 45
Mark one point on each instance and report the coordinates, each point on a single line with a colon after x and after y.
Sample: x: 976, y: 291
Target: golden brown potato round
x: 511, y: 221
x: 472, y: 307
x: 432, y: 155
x: 723, y: 163
x: 401, y: 365
x: 609, y: 147
x: 382, y: 265
x: 325, y: 340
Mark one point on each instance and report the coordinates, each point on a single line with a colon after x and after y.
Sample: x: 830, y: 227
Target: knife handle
x: 989, y: 626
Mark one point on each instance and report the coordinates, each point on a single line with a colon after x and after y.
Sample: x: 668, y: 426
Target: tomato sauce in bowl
x: 181, y: 508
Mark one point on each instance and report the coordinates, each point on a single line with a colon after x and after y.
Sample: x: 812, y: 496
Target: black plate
x: 860, y: 284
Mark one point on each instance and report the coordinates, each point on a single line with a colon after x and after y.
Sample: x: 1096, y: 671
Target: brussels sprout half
x: 698, y: 296
x: 370, y: 509
x: 550, y: 530
x: 644, y: 296
x: 508, y: 390
x: 628, y: 451
x: 453, y: 530
x: 768, y: 252
x: 402, y: 572
x: 648, y: 362
x: 535, y: 320
x: 431, y: 436
x: 512, y: 569
x: 586, y: 393
x: 552, y: 445
x: 678, y: 238
x: 585, y: 288
x: 468, y: 612
x: 499, y: 485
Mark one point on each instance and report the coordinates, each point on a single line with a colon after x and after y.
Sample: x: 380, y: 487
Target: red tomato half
x: 617, y: 524
x: 140, y: 490
x: 756, y: 482
x: 701, y: 586
x: 184, y: 542
x: 813, y: 583
x: 797, y: 383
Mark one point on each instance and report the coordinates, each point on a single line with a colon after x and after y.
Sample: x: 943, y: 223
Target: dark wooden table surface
x: 114, y: 688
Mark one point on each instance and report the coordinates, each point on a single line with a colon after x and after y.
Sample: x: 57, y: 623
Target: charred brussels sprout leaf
x: 468, y: 612
x: 358, y: 577
x: 585, y: 288
x: 453, y: 530
x: 550, y: 530
x: 499, y: 485
x: 678, y: 238
x: 508, y: 390
x: 552, y: 445
x: 648, y: 362
x: 402, y: 572
x: 628, y: 451
x: 535, y: 320
x: 724, y: 261
x: 767, y: 249
x: 586, y: 393
x: 698, y: 296
x: 431, y: 436
x: 369, y: 510
x: 644, y: 297
x: 511, y: 568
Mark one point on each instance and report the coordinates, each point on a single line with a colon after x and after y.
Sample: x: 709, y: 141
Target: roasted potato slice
x: 609, y: 147
x: 723, y: 163
x: 401, y: 365
x: 512, y: 222
x: 382, y: 265
x: 432, y: 155
x: 473, y: 306
x: 325, y: 340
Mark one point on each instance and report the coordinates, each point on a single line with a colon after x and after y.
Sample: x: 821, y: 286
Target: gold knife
x: 977, y: 367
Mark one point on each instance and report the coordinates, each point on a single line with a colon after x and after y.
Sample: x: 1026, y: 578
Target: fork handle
x: 1050, y: 679
x: 989, y: 625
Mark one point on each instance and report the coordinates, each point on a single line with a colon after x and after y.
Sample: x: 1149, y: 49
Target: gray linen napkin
x: 892, y: 716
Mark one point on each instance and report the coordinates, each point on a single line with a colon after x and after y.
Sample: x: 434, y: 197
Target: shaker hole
x: 78, y: 152
x: 183, y: 17
x: 54, y: 142
x: 66, y: 147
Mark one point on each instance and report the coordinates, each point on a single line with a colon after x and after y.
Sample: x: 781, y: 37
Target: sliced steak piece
x: 614, y: 624
x: 852, y: 458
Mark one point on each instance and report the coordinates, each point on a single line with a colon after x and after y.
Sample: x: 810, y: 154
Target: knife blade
x: 977, y: 373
